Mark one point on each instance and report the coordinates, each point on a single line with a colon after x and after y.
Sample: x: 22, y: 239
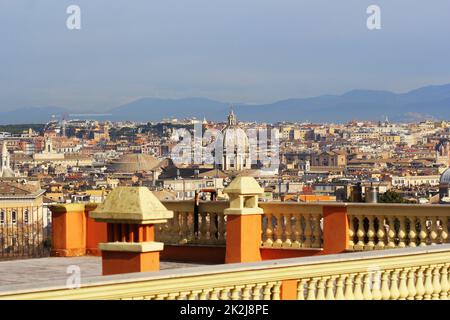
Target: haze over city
x: 231, y: 51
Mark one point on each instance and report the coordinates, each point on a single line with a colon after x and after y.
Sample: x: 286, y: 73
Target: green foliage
x: 20, y: 128
x: 392, y: 197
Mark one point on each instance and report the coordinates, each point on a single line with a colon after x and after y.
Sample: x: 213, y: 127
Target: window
x: 25, y: 216
x: 2, y: 217
x: 14, y: 217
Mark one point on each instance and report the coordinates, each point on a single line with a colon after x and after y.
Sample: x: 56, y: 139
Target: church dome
x: 136, y: 162
x: 445, y: 177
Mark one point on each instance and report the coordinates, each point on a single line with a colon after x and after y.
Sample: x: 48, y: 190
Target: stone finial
x: 135, y: 205
x: 243, y: 193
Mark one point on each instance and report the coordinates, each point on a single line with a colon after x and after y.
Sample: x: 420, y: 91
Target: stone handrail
x: 411, y: 273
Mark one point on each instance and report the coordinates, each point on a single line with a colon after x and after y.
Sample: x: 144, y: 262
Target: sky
x: 252, y: 51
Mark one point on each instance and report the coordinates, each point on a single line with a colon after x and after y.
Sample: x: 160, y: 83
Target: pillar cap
x: 131, y: 246
x: 244, y: 186
x: 135, y: 205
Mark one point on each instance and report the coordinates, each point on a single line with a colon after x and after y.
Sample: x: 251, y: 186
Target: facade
x: 328, y: 159
x: 412, y: 181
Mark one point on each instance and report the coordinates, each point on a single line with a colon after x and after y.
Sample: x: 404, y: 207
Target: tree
x: 392, y: 197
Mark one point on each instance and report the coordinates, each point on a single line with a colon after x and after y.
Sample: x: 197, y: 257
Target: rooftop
x: 44, y: 270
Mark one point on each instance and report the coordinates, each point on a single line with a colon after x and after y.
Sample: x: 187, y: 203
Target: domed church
x: 444, y: 187
x: 236, y: 147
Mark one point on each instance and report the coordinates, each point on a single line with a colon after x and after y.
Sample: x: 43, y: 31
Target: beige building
x: 412, y: 181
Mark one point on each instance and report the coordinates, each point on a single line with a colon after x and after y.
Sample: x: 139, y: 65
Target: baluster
x: 224, y: 293
x: 412, y: 291
x: 307, y: 232
x: 301, y: 289
x: 311, y: 289
x: 267, y: 293
x: 444, y: 229
x: 351, y: 232
x: 385, y: 290
x: 222, y: 229
x: 348, y: 293
x: 433, y: 230
x: 423, y: 231
x: 375, y: 279
x: 193, y: 295
x: 276, y: 291
x: 278, y: 228
x: 214, y: 294
x: 360, y: 233
x: 358, y: 287
x: 395, y: 293
x: 412, y: 232
x: 246, y: 293
x: 175, y: 237
x: 317, y: 232
x: 420, y: 287
x: 436, y: 283
x: 403, y: 288
x: 236, y: 292
x: 204, y: 294
x: 340, y: 288
x: 268, y: 242
x: 445, y: 285
x: 168, y: 229
x: 212, y: 228
x: 297, y: 231
x: 367, y: 291
x: 182, y: 296
x: 428, y: 284
x: 370, y: 234
x: 381, y: 234
x: 184, y: 228
x: 257, y: 291
x: 203, y: 229
x: 321, y: 289
x: 391, y: 232
x: 401, y: 232
x: 287, y: 230
x: 330, y: 288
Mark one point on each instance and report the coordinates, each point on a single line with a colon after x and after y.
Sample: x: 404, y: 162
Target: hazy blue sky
x: 231, y: 50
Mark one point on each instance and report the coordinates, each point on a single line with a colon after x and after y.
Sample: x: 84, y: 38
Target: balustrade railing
x: 291, y: 225
x: 206, y: 226
x: 387, y: 226
x: 410, y: 273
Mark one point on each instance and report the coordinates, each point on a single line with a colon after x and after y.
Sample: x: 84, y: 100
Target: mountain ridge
x: 428, y: 102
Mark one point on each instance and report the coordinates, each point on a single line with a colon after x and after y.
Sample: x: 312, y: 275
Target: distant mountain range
x: 431, y: 102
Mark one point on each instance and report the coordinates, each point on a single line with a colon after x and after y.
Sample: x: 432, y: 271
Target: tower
x: 5, y: 156
x: 232, y: 121
x: 5, y: 168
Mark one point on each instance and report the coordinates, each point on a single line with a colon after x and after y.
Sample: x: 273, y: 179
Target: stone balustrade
x: 292, y: 225
x: 209, y: 229
x: 404, y: 274
x: 388, y: 226
x: 197, y: 233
